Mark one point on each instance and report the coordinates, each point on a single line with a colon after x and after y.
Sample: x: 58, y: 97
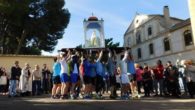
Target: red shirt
x: 139, y: 73
x: 158, y: 71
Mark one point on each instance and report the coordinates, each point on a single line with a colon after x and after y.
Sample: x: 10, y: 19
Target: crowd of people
x: 87, y: 75
x: 24, y: 81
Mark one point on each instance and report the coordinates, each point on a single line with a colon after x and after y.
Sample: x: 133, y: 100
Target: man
x: 99, y: 75
x: 172, y: 76
x: 65, y: 75
x: 46, y: 79
x: 86, y: 75
x: 124, y: 77
x: 37, y: 76
x: 74, y: 74
x: 15, y: 75
x: 25, y: 81
x: 111, y: 71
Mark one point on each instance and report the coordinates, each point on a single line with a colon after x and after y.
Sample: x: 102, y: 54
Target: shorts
x: 87, y: 79
x: 118, y: 79
x: 112, y: 80
x: 56, y: 80
x: 64, y: 78
x: 93, y: 80
x: 125, y: 79
x: 74, y: 78
x: 132, y: 77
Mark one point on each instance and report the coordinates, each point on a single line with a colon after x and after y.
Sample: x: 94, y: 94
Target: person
x: 132, y: 75
x: 172, y: 76
x: 25, y: 84
x: 56, y: 79
x: 111, y: 72
x: 93, y: 73
x: 3, y: 81
x: 85, y: 65
x: 106, y: 80
x: 89, y: 70
x: 147, y: 81
x: 74, y: 75
x: 64, y: 75
x: 124, y: 77
x: 158, y: 78
x: 36, y: 83
x: 190, y: 75
x: 46, y: 79
x: 139, y: 73
x: 15, y: 75
x: 182, y: 74
x: 99, y: 75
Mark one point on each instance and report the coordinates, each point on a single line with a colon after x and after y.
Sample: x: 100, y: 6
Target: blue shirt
x: 89, y: 68
x: 56, y: 69
x: 110, y: 67
x: 92, y: 69
x: 99, y: 68
x: 131, y: 67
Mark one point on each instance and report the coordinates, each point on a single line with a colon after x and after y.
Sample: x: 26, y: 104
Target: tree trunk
x: 20, y: 42
x: 3, y: 38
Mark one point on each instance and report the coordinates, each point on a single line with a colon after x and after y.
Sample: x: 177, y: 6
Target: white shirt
x: 123, y: 63
x: 75, y: 70
x: 123, y: 66
x: 64, y: 67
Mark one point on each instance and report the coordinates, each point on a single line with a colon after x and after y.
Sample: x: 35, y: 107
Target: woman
x: 3, y: 81
x: 139, y: 73
x: 56, y: 79
x: 190, y: 75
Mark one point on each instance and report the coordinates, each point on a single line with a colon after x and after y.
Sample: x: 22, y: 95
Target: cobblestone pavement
x: 46, y: 103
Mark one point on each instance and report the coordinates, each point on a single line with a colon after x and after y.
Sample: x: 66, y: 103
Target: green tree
x: 79, y: 46
x: 109, y: 43
x: 29, y: 26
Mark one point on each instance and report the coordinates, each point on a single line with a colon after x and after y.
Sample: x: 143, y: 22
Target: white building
x: 154, y: 37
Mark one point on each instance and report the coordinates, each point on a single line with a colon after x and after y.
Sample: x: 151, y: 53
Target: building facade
x: 160, y: 37
x: 192, y: 14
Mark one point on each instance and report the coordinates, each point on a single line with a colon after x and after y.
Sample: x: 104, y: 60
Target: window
x: 139, y: 53
x: 167, y: 44
x: 149, y: 31
x: 151, y: 49
x: 128, y: 41
x: 138, y: 37
x: 188, y: 38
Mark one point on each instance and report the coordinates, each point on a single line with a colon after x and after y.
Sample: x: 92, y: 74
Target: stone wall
x: 7, y: 61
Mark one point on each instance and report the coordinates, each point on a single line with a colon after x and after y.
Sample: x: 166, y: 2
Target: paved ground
x: 45, y: 103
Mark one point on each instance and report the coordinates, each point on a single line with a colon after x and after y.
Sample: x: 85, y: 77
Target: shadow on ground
x: 45, y: 103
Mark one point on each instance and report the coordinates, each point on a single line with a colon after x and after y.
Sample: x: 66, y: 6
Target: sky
x: 117, y: 15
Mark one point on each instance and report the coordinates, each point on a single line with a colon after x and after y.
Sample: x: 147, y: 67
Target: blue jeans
x: 158, y: 84
x: 36, y: 87
x: 12, y: 87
